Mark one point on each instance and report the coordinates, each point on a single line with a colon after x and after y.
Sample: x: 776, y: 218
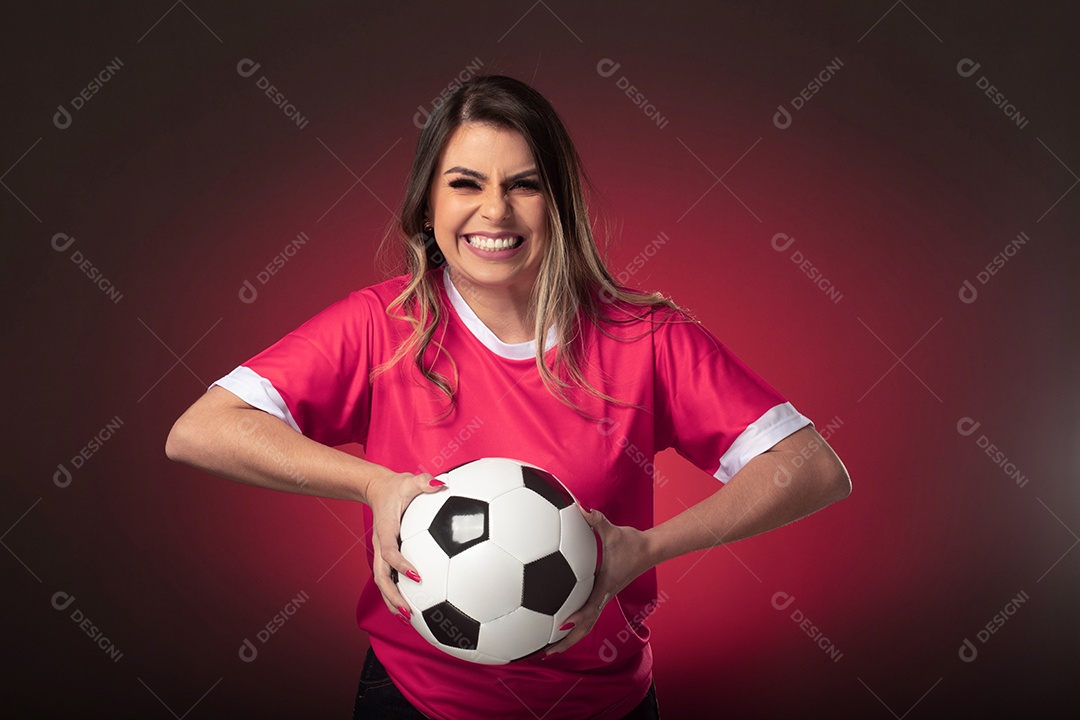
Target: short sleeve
x: 714, y: 410
x: 316, y: 378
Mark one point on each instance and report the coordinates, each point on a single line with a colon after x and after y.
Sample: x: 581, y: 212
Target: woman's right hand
x: 223, y: 434
x: 388, y: 496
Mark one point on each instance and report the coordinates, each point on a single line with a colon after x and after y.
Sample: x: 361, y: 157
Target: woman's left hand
x: 624, y: 558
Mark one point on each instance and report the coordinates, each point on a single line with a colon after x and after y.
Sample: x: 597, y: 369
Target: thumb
x: 594, y: 517
x: 428, y: 483
x: 599, y: 524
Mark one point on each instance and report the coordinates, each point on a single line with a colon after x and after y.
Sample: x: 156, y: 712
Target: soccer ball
x: 505, y: 557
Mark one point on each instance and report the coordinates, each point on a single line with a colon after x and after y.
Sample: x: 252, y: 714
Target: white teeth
x: 492, y: 244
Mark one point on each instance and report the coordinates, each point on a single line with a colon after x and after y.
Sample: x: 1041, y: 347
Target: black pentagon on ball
x: 452, y: 627
x: 546, y: 486
x: 548, y: 582
x: 459, y: 524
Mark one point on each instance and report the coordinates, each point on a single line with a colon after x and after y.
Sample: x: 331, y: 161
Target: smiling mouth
x: 494, y: 244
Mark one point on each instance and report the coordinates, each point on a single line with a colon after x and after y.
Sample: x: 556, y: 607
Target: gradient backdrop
x: 897, y: 181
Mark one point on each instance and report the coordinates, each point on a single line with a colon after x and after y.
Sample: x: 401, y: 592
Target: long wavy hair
x: 573, y: 285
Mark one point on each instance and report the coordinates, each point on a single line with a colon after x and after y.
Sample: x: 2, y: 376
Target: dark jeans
x: 378, y: 698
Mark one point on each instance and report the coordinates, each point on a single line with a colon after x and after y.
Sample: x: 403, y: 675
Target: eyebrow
x: 481, y: 176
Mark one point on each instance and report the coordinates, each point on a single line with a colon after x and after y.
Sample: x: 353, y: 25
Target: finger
x: 583, y: 621
x: 428, y: 483
x: 596, y: 520
x: 395, y: 601
x: 381, y: 574
x: 594, y: 517
x: 582, y: 627
x: 393, y: 557
x: 587, y: 615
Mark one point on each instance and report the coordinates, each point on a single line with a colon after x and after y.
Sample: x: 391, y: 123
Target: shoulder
x: 379, y: 296
x: 677, y: 339
x: 356, y: 312
x: 372, y: 300
x: 626, y: 320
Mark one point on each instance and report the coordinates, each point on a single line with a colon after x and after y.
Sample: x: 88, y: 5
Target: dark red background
x: 898, y: 180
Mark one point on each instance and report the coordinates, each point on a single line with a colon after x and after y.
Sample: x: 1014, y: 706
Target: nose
x: 496, y: 208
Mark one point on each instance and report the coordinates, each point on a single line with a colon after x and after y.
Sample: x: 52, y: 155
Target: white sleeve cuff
x: 257, y: 391
x: 769, y: 429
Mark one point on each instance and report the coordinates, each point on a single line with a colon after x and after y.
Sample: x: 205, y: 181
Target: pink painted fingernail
x: 411, y: 574
x: 567, y: 626
x: 435, y: 482
x: 405, y: 612
x: 404, y: 620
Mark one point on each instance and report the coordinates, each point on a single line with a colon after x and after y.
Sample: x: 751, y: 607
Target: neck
x: 504, y: 310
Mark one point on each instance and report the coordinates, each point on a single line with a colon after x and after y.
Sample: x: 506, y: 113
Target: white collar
x: 510, y: 351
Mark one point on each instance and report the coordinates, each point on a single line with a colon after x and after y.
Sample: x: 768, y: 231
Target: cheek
x: 539, y: 218
x: 447, y: 244
x: 453, y: 210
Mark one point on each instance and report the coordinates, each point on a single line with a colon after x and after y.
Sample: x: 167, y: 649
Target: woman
x: 508, y: 322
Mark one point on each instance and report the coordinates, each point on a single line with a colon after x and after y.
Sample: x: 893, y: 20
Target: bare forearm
x: 794, y: 478
x: 761, y: 497
x: 252, y: 447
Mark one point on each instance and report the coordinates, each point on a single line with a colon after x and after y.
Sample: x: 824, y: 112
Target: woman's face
x: 489, y: 214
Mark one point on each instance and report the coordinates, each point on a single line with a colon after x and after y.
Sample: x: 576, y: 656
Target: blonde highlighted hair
x: 573, y: 285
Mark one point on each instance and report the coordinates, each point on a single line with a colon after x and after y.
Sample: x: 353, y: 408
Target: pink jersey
x: 690, y: 393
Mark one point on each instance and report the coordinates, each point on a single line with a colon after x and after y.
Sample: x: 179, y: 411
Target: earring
x: 428, y: 227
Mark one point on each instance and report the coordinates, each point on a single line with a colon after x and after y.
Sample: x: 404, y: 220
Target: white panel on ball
x: 485, y: 659
x: 524, y: 524
x: 485, y: 479
x: 470, y: 655
x: 432, y: 564
x: 485, y: 582
x: 515, y: 635
x: 578, y: 543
